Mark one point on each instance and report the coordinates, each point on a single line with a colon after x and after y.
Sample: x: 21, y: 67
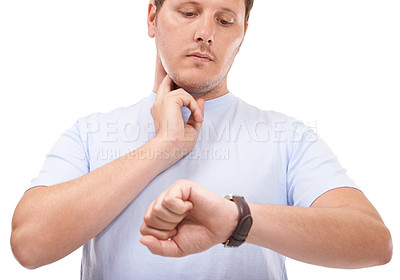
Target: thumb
x: 165, y: 86
x: 197, y: 119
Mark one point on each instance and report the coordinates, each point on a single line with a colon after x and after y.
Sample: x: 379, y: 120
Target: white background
x: 333, y: 63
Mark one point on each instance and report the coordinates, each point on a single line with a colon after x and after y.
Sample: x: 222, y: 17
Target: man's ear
x: 151, y: 19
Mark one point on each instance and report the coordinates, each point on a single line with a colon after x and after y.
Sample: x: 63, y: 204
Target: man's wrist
x: 232, y: 218
x: 166, y: 150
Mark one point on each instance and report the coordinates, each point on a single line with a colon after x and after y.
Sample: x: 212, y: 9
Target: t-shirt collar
x: 212, y: 104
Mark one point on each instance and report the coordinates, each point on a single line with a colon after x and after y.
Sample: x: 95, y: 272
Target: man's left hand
x: 186, y: 219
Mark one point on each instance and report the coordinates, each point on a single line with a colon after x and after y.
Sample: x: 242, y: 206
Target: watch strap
x: 245, y: 222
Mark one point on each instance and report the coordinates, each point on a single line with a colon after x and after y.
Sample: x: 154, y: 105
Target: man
x: 113, y: 189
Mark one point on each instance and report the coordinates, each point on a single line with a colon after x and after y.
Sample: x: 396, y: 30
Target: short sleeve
x: 67, y: 160
x: 312, y: 168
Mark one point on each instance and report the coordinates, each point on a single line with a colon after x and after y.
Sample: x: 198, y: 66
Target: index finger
x: 165, y: 86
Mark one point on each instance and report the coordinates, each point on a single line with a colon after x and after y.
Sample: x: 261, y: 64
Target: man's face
x: 197, y: 41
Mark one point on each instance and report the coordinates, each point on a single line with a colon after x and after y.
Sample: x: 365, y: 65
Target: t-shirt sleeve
x: 312, y: 169
x: 67, y: 160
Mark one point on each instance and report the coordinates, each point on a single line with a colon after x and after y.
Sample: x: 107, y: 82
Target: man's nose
x: 205, y: 30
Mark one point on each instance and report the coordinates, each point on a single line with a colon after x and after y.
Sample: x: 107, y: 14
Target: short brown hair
x: 249, y: 6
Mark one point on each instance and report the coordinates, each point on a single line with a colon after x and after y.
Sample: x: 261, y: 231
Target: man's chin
x: 195, y: 89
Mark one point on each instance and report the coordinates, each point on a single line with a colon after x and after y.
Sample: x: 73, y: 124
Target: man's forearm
x: 332, y: 237
x: 51, y: 222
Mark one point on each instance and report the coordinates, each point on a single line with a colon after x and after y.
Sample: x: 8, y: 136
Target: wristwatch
x: 245, y: 221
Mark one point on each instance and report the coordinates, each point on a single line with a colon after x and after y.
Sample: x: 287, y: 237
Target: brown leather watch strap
x: 245, y: 222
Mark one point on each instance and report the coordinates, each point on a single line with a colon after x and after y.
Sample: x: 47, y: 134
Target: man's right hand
x: 77, y: 210
x: 168, y: 121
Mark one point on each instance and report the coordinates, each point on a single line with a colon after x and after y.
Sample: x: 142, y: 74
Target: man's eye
x: 224, y: 22
x: 188, y: 14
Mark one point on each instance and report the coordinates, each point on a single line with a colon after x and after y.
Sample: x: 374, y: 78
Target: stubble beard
x: 211, y: 87
x: 197, y: 88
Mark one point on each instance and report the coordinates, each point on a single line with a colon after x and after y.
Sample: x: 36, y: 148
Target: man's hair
x: 249, y: 6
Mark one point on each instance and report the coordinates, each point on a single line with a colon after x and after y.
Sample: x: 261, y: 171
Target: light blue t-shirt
x: 265, y: 156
